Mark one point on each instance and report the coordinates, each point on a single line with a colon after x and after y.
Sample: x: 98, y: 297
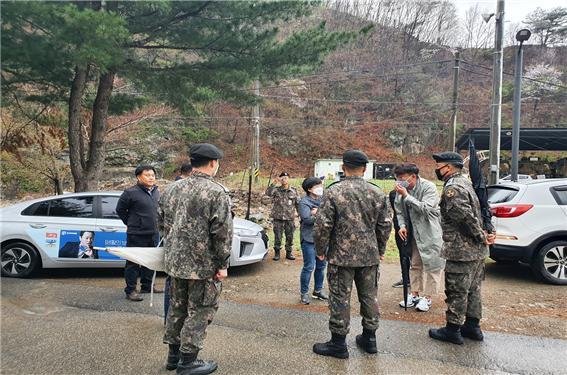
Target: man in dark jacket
x: 137, y: 208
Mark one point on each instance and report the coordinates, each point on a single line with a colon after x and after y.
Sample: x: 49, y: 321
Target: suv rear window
x: 560, y: 194
x: 501, y: 194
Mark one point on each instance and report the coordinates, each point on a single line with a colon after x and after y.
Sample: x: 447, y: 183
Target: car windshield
x: 501, y: 194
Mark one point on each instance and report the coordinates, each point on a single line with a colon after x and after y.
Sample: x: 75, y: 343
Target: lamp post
x: 521, y: 36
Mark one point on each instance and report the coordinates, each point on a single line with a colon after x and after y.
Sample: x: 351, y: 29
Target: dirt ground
x: 514, y: 301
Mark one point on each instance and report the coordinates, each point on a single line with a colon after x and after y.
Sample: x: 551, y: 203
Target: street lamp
x: 521, y: 36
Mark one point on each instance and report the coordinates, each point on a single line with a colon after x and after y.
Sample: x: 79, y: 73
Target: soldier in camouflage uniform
x: 465, y: 245
x: 196, y: 223
x: 285, y: 201
x: 351, y: 230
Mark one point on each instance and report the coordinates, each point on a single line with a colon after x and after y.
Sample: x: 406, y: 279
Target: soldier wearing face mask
x: 308, y: 206
x: 417, y: 211
x: 285, y: 199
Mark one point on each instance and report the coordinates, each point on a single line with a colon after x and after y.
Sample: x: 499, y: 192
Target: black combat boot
x: 471, y: 329
x: 336, y: 347
x: 276, y: 255
x: 450, y: 333
x: 172, y: 357
x: 367, y: 341
x: 288, y: 255
x: 190, y: 365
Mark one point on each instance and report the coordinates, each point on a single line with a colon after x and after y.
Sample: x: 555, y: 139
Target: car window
x: 72, y: 207
x: 109, y: 207
x: 36, y: 209
x: 560, y: 194
x: 501, y: 194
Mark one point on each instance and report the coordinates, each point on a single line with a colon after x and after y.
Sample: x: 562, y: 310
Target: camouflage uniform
x: 285, y: 204
x: 351, y: 228
x: 195, y: 220
x: 464, y: 248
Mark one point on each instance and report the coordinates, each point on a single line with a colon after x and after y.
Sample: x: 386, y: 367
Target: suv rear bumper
x: 506, y: 252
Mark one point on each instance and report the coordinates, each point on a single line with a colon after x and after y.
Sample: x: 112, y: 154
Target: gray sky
x: 514, y: 10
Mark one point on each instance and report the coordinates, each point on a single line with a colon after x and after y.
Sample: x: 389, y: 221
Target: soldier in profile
x: 196, y: 222
x: 465, y: 245
x: 351, y: 229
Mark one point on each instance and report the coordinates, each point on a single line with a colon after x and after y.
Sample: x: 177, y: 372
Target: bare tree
x: 477, y: 34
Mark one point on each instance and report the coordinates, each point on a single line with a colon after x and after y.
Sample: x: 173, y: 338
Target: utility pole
x: 453, y: 128
x: 496, y: 108
x: 256, y: 116
x: 522, y: 36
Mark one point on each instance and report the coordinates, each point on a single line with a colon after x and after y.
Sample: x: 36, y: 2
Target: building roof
x: 538, y: 139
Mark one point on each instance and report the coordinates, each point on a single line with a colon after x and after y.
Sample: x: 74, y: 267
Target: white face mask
x: 318, y: 191
x: 216, y: 169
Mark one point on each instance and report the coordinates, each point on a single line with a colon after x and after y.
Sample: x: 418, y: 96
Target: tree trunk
x: 95, y: 162
x: 74, y: 131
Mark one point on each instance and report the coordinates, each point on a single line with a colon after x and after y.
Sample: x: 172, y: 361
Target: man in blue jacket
x: 137, y: 207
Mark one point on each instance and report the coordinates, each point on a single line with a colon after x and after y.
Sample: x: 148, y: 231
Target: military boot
x: 276, y: 255
x: 471, y: 329
x: 450, y: 333
x: 190, y: 365
x: 336, y: 347
x: 288, y: 255
x: 367, y: 341
x: 172, y: 357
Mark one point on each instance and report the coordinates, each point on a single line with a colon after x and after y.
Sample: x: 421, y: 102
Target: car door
x: 68, y: 230
x: 111, y: 231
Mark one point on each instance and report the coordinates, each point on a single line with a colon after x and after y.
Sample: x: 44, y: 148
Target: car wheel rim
x: 15, y: 261
x: 555, y: 262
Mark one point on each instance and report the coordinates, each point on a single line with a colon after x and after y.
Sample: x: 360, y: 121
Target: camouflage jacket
x: 196, y: 225
x: 353, y: 223
x: 461, y: 221
x: 285, y: 202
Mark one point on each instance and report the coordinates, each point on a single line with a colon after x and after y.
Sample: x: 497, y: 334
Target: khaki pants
x: 426, y: 283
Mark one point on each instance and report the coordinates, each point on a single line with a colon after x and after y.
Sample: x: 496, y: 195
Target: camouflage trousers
x: 193, y: 305
x: 281, y: 227
x: 462, y: 288
x: 340, y: 287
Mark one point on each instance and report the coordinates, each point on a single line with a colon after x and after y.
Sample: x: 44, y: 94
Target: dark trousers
x: 166, y: 297
x: 132, y: 270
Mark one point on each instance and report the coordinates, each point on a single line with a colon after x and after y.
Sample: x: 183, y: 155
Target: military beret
x: 204, y: 151
x: 284, y: 174
x: 449, y: 157
x: 355, y: 158
x: 309, y: 182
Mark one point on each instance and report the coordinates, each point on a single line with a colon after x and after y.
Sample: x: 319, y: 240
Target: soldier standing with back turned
x: 196, y: 222
x: 351, y: 230
x: 285, y: 201
x: 465, y: 245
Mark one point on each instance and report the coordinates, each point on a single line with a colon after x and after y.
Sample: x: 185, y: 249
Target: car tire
x: 550, y: 262
x: 19, y: 259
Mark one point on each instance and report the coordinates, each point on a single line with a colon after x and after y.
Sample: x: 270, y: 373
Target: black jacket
x: 138, y: 210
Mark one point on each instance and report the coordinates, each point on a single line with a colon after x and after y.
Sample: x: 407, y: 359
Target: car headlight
x: 246, y: 232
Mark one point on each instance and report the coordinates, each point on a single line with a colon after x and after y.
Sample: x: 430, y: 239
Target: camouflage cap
x: 355, y: 158
x: 448, y: 157
x: 205, y: 151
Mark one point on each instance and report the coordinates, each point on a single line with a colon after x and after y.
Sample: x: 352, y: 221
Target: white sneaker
x: 423, y: 304
x: 412, y: 301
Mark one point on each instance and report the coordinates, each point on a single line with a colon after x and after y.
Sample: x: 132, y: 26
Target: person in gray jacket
x: 308, y: 206
x: 417, y: 202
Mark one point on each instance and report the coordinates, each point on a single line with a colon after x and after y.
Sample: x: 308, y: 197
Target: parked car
x: 530, y: 218
x: 44, y: 232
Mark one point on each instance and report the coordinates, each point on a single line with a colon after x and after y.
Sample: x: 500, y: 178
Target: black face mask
x: 438, y: 173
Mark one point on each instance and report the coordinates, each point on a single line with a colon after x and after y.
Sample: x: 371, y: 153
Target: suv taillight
x: 510, y: 210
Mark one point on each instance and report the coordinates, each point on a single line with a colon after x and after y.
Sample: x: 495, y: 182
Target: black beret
x: 309, y: 182
x: 449, y: 157
x: 355, y: 158
x: 284, y: 174
x: 204, y: 151
x: 142, y: 168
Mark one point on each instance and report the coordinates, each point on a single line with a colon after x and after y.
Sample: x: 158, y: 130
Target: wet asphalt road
x: 54, y: 327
